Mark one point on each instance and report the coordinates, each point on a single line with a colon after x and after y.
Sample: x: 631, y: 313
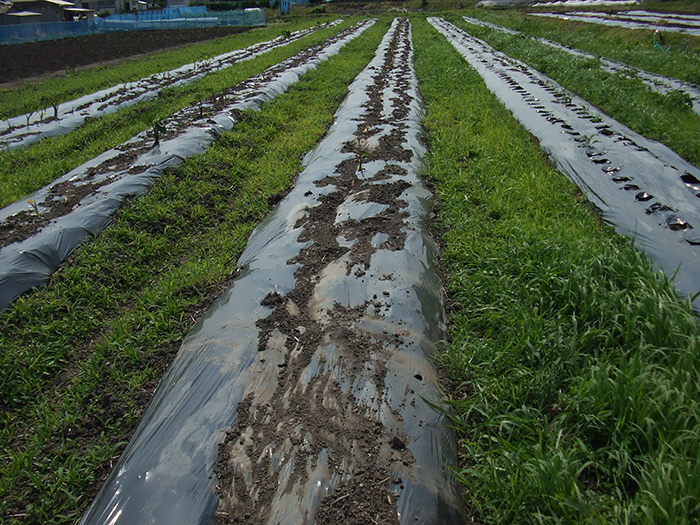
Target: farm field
x: 23, y: 130
x: 30, y: 60
x: 569, y: 363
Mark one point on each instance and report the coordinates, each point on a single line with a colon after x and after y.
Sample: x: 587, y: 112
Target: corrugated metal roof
x: 23, y: 13
x: 61, y: 3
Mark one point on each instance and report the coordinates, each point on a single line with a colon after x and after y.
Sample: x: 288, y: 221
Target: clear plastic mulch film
x: 668, y: 24
x: 81, y: 203
x: 24, y: 130
x: 683, y: 20
x: 306, y: 392
x: 586, y: 3
x: 645, y: 190
x: 658, y: 83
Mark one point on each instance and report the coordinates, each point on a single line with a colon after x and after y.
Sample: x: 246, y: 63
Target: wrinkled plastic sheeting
x: 647, y: 16
x: 645, y: 190
x: 26, y: 264
x: 504, y: 3
x: 657, y: 83
x: 666, y: 17
x: 166, y: 473
x: 602, y: 19
x: 586, y: 3
x: 26, y: 129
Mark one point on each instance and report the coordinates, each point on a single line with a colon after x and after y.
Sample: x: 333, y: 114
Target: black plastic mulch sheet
x: 26, y: 129
x: 645, y: 190
x: 658, y: 83
x: 310, y: 377
x: 29, y: 263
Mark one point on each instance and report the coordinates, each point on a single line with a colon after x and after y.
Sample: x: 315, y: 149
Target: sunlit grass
x: 575, y: 365
x: 629, y: 46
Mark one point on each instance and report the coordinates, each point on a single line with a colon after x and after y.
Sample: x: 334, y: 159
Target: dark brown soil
x: 21, y: 61
x: 320, y: 419
x: 62, y: 199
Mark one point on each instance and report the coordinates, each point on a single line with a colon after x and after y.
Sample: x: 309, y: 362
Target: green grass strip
x: 576, y: 371
x: 82, y: 356
x: 37, y: 95
x: 25, y: 170
x: 666, y: 118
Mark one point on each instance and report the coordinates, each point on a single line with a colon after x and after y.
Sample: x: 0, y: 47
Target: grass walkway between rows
x: 25, y: 170
x: 81, y: 357
x: 668, y: 118
x: 576, y: 368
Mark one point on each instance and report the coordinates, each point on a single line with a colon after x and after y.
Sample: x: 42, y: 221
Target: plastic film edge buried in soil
x: 131, y: 169
x: 310, y: 378
x: 24, y: 130
x: 642, y: 188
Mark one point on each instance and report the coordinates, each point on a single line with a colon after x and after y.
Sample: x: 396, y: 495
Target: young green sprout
x: 33, y: 204
x: 362, y: 158
x: 364, y: 149
x: 158, y: 128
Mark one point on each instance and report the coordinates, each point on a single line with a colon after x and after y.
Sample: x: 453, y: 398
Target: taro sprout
x: 158, y: 128
x: 32, y: 203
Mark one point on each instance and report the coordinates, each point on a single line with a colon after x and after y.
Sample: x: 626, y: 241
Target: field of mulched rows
x: 431, y: 268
